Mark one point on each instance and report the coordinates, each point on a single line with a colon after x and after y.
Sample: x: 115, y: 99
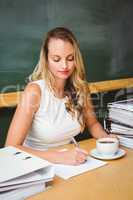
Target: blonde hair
x: 76, y: 88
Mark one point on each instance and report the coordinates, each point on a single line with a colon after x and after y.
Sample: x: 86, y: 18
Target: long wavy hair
x: 76, y: 87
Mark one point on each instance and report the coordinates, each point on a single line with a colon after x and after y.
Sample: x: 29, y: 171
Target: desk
x: 110, y: 182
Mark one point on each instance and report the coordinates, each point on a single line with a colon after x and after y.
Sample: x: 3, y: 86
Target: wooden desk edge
x: 11, y: 99
x: 116, y: 167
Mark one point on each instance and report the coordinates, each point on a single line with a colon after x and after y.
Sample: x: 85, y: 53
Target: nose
x: 64, y: 65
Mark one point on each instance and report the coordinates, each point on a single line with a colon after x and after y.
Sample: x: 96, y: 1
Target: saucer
x: 118, y: 154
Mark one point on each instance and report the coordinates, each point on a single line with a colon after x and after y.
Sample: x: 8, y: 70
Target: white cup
x: 107, y: 146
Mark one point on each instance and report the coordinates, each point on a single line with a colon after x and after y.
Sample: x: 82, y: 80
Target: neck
x: 59, y: 88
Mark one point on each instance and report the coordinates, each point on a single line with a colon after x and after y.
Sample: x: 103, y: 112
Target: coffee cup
x: 107, y: 146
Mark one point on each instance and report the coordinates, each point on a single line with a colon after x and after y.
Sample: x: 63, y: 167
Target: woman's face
x: 60, y: 58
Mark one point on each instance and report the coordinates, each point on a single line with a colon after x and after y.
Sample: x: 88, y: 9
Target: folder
x: 19, y: 169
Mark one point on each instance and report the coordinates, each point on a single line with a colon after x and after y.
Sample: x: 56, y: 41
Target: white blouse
x: 52, y: 125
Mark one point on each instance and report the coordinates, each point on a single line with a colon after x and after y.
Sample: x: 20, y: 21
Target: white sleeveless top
x: 52, y: 125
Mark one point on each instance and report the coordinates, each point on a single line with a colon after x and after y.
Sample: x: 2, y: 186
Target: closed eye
x: 70, y: 58
x: 56, y: 60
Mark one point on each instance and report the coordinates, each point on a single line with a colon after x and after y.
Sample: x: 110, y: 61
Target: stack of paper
x: 122, y: 130
x: 120, y: 121
x: 22, y: 193
x: 127, y: 142
x: 22, y: 174
x: 121, y: 111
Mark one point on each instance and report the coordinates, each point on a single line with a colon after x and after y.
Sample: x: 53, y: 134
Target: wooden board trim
x: 11, y: 99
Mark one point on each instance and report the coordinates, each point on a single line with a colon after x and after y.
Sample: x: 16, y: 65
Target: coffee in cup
x: 107, y: 146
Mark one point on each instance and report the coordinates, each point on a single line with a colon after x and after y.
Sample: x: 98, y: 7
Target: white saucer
x: 118, y: 154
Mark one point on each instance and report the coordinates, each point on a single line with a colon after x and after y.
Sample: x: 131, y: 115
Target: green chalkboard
x: 104, y: 29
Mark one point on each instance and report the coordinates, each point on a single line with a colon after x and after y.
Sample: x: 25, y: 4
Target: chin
x: 64, y: 77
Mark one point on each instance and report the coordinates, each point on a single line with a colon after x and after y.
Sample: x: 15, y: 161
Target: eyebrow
x: 54, y: 55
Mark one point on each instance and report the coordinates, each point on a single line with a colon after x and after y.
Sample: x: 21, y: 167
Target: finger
x: 113, y: 136
x: 80, y: 160
x: 82, y: 151
x: 81, y: 157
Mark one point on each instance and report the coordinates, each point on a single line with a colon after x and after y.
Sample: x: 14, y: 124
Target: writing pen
x: 77, y: 145
x: 75, y: 142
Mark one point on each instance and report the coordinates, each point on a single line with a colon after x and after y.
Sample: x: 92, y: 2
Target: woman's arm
x: 21, y: 124
x: 23, y: 116
x: 92, y: 123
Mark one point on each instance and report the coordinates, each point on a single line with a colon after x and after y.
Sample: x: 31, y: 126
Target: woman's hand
x: 112, y: 135
x: 75, y: 156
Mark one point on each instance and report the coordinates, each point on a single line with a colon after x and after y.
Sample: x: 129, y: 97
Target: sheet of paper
x: 68, y: 171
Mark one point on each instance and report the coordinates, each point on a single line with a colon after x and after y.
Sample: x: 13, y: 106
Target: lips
x: 64, y: 72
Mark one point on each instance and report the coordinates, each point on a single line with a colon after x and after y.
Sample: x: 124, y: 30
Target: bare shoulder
x: 33, y: 88
x: 31, y: 96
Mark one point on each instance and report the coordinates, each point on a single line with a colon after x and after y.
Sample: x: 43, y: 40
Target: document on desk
x: 68, y: 171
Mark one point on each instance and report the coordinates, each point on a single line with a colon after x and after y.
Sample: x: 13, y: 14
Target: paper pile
x: 22, y: 174
x: 120, y: 121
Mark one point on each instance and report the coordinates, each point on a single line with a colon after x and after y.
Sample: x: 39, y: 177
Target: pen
x: 77, y: 145
x: 75, y: 142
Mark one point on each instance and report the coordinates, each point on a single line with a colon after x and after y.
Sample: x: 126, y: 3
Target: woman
x: 56, y: 104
